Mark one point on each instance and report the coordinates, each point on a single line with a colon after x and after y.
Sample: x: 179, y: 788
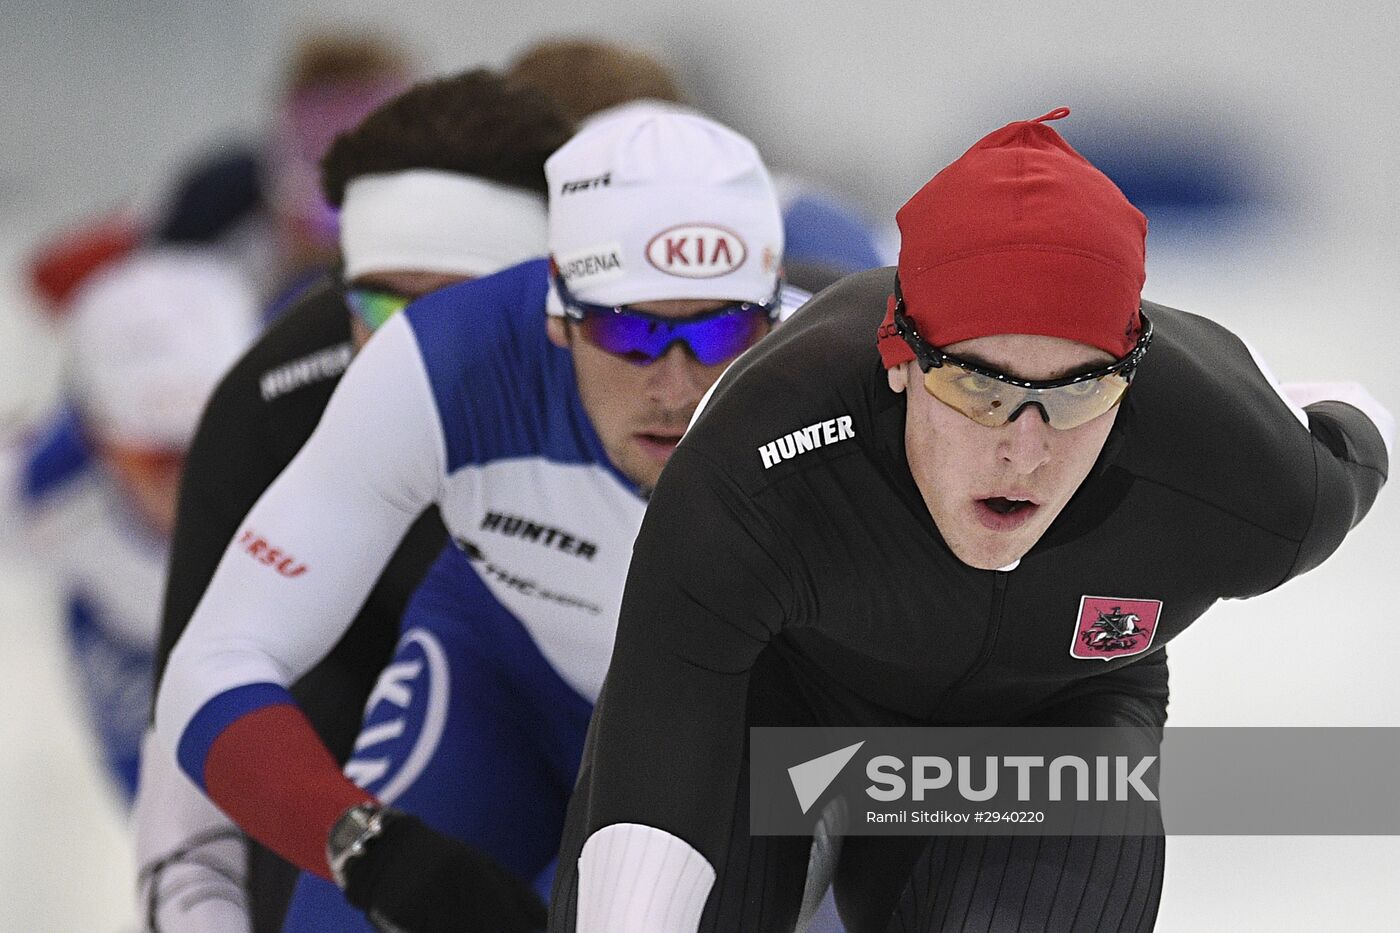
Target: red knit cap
x: 1021, y: 235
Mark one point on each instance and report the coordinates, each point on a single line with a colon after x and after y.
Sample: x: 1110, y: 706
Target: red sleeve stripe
x: 270, y: 773
x: 217, y: 715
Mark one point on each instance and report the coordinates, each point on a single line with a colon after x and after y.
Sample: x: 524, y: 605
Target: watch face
x: 355, y: 827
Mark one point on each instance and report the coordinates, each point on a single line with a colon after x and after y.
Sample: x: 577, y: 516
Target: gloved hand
x: 414, y: 879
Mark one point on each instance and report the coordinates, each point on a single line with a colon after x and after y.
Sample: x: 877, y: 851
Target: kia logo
x: 697, y: 251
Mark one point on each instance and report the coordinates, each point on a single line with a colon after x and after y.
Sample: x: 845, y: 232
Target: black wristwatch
x: 351, y: 834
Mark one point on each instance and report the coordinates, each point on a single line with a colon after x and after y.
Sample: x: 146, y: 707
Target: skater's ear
x: 898, y: 377
x: 558, y: 332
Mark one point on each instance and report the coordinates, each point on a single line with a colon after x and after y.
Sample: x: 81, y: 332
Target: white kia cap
x: 649, y: 203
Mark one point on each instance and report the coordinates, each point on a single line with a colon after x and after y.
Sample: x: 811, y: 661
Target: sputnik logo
x: 811, y: 778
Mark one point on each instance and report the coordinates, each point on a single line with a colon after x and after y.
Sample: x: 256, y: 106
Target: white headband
x: 437, y: 221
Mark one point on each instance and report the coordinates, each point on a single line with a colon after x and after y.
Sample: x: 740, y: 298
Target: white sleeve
x: 192, y: 858
x: 639, y: 879
x: 309, y: 552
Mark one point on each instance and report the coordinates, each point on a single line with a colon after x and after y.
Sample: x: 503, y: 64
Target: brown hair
x: 475, y: 123
x: 586, y: 75
x: 341, y: 57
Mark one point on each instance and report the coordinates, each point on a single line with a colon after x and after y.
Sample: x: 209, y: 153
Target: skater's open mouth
x: 1004, y: 513
x: 1005, y: 506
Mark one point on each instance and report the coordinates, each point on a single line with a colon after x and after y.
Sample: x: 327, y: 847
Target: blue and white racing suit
x: 478, y: 723
x: 71, y: 520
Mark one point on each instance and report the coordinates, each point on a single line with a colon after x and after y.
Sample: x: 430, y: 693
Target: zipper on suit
x: 989, y: 640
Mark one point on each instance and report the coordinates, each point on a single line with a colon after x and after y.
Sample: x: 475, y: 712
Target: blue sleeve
x: 58, y: 455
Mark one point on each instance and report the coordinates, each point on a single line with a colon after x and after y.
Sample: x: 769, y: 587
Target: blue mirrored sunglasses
x: 712, y: 337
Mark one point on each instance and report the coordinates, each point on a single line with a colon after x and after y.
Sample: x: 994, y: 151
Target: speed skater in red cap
x: 969, y: 447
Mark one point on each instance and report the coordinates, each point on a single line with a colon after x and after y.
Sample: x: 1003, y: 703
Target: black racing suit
x: 262, y: 412
x: 816, y: 590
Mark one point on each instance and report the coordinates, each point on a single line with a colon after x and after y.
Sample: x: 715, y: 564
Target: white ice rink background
x: 100, y: 102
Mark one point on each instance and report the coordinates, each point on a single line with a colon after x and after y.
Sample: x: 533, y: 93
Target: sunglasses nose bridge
x: 662, y: 338
x: 1044, y: 415
x: 691, y: 343
x: 663, y: 352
